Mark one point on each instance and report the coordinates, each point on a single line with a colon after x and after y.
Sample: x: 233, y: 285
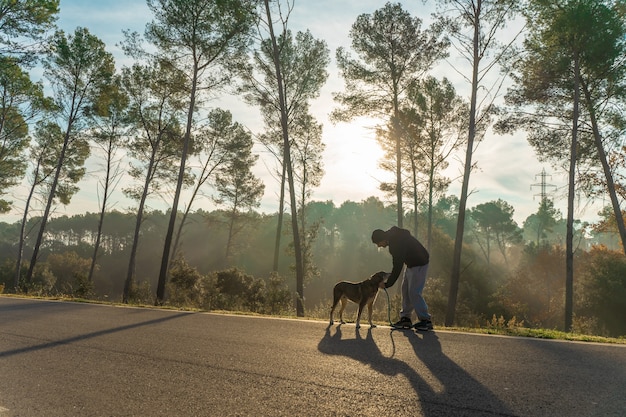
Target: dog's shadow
x: 364, y: 350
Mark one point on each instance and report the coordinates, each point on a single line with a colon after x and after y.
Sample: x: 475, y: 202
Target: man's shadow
x: 455, y: 392
x: 461, y: 391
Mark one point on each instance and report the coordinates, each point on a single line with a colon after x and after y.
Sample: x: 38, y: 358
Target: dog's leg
x: 358, y: 314
x: 336, y: 298
x: 344, y: 301
x: 369, y: 312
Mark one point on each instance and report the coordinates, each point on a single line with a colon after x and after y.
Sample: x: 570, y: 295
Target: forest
x: 157, y: 138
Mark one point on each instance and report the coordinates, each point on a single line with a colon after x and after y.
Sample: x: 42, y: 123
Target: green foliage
x: 141, y: 293
x: 23, y: 22
x: 188, y: 288
x: 603, y: 290
x: 540, y: 227
x: 70, y: 272
x: 387, y: 60
x: 7, y: 273
x: 303, y: 61
x: 238, y: 189
x: 392, y: 54
x: 239, y: 290
x: 82, y: 287
x: 494, y: 225
x: 227, y: 290
x: 534, y: 292
x: 42, y: 283
x: 20, y: 102
x: 78, y: 69
x: 201, y: 33
x: 278, y: 299
x: 155, y: 97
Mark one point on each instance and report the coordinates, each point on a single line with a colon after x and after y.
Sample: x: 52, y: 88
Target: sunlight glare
x: 351, y: 162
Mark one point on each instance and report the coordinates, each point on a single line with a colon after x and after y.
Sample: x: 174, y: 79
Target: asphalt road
x: 70, y: 359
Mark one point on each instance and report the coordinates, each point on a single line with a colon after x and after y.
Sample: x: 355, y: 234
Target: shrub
x: 278, y: 297
x: 602, y: 290
x: 185, y: 285
x: 140, y: 293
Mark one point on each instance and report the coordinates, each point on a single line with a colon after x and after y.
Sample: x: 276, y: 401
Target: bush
x: 70, y: 271
x: 601, y: 293
x: 278, y: 297
x: 81, y: 287
x: 140, y: 293
x: 235, y: 290
x: 185, y: 285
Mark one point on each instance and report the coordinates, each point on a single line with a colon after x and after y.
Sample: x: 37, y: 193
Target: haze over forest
x: 166, y: 153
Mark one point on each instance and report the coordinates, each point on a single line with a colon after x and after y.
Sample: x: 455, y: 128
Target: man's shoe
x: 424, y: 325
x: 404, y: 323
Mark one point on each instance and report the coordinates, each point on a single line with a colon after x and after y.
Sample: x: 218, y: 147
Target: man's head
x: 379, y: 238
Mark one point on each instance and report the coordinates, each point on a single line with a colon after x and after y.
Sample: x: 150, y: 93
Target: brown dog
x: 363, y: 293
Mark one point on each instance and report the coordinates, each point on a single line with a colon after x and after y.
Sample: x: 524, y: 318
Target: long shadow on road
x: 80, y: 337
x: 453, y: 392
x: 460, y: 390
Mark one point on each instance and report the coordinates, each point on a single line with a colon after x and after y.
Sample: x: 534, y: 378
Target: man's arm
x: 398, y: 263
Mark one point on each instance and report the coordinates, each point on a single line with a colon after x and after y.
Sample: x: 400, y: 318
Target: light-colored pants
x: 412, y: 286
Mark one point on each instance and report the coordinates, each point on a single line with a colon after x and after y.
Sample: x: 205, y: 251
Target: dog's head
x: 379, y: 279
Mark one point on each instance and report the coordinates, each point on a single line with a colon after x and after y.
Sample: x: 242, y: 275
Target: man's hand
x: 387, y: 275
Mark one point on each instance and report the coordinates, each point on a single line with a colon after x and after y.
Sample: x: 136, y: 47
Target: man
x: 407, y: 250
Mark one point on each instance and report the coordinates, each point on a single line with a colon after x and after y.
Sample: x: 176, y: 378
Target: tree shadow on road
x: 53, y: 343
x: 447, y: 389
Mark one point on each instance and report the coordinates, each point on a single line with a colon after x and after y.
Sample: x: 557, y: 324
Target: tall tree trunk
x: 44, y: 218
x: 281, y: 210
x: 231, y: 226
x: 20, y: 246
x: 204, y: 175
x: 415, y: 202
x: 569, y: 236
x: 610, y: 184
x: 105, y: 197
x: 460, y: 224
x: 396, y: 133
x: 179, y: 233
x: 142, y: 203
x: 431, y: 179
x: 287, y: 154
x: 160, y: 295
x: 130, y: 273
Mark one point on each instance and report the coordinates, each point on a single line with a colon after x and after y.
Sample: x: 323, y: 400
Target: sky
x: 507, y: 167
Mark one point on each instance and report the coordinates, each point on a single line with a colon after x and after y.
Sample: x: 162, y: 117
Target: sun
x: 351, y: 162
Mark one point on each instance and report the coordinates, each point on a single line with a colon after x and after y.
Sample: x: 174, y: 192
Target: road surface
x: 72, y: 359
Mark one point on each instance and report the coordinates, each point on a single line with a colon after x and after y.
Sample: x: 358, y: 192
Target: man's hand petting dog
x: 362, y: 293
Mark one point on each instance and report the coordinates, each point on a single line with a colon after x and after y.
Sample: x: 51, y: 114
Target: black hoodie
x: 405, y: 249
